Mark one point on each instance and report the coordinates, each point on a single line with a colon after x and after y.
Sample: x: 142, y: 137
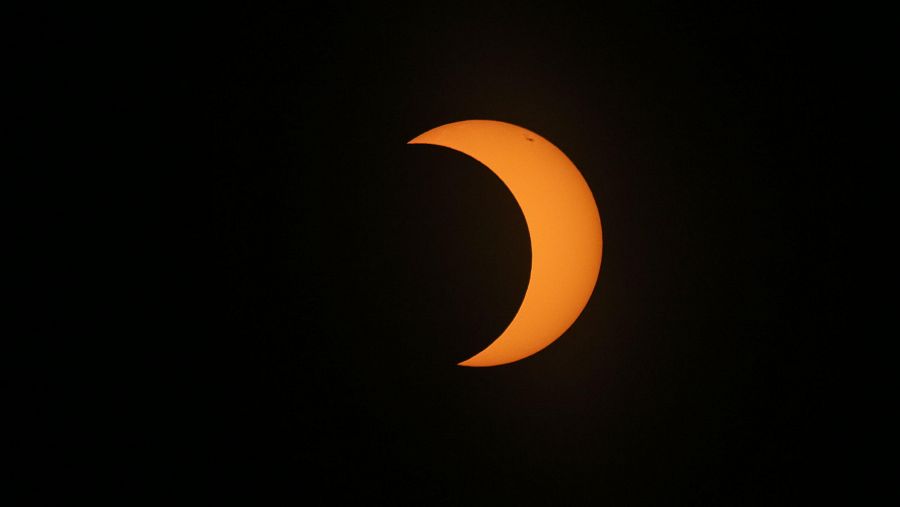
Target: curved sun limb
x: 563, y: 225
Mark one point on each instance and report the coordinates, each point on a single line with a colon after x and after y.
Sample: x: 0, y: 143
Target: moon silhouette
x: 563, y: 224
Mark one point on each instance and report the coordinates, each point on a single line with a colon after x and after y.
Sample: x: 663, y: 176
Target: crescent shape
x: 563, y: 223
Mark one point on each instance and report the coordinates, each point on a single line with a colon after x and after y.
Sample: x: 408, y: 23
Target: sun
x: 563, y: 224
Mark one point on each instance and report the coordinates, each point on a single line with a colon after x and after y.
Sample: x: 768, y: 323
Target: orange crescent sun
x: 563, y: 223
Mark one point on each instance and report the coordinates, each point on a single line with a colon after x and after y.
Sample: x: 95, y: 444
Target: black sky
x: 349, y: 272
x: 329, y: 276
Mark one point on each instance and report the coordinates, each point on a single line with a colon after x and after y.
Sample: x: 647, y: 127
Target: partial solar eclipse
x: 563, y: 224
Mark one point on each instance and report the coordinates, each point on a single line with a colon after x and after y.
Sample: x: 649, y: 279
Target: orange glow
x: 563, y: 222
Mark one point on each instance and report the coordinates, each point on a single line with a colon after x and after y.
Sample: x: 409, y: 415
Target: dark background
x: 312, y: 280
x: 350, y: 272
